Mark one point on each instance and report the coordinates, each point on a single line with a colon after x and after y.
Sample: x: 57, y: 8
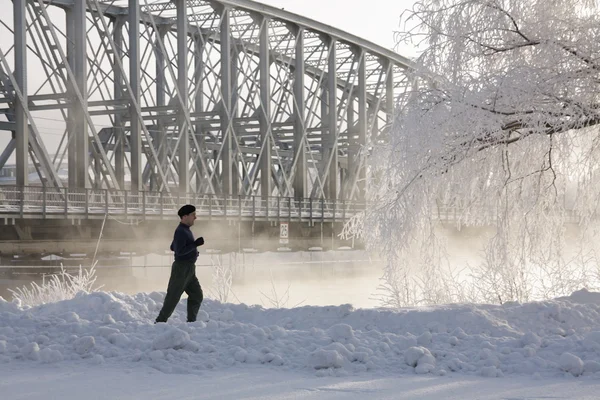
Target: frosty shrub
x: 62, y: 286
x: 222, y: 278
x: 499, y: 127
x: 275, y: 299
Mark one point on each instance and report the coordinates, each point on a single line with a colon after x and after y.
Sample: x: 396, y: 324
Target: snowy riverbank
x: 542, y: 339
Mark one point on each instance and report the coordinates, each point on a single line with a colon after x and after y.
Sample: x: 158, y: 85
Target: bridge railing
x: 52, y: 202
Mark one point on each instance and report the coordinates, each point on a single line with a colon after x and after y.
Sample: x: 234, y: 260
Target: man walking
x: 183, y: 271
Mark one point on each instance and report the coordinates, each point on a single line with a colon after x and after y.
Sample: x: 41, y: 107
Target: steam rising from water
x: 291, y: 278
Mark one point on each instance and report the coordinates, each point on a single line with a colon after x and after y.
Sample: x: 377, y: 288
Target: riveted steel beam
x: 77, y: 127
x: 226, y: 101
x: 265, y: 109
x: 182, y: 83
x: 135, y: 138
x: 20, y: 105
x: 332, y: 122
x: 300, y: 180
x: 119, y: 151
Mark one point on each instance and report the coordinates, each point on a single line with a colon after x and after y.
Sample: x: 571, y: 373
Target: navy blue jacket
x: 183, y: 244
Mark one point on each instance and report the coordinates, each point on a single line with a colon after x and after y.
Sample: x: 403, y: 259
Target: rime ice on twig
x: 500, y: 130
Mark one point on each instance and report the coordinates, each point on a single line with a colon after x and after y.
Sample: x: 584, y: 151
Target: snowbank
x: 551, y: 338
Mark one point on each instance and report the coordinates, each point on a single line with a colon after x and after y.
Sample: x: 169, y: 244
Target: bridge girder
x: 209, y: 96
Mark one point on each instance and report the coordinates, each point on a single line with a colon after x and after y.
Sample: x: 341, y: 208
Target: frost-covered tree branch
x: 502, y: 130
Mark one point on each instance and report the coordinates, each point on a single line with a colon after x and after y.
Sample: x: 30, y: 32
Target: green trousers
x: 183, y: 279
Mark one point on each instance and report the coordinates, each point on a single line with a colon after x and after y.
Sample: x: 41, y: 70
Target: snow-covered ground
x: 104, y: 345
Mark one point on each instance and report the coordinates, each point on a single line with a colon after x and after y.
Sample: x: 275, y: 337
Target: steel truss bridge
x: 233, y: 102
x: 224, y: 97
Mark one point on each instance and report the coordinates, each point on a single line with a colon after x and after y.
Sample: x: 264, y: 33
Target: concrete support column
x: 21, y: 124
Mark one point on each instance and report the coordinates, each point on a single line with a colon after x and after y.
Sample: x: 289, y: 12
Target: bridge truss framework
x: 220, y: 97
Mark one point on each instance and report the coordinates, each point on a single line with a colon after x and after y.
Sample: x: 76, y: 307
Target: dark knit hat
x: 185, y: 210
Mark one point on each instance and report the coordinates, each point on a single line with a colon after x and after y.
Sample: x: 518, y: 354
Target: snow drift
x: 550, y: 338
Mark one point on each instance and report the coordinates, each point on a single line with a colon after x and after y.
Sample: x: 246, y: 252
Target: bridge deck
x: 52, y: 203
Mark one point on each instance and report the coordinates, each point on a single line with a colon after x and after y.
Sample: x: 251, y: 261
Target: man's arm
x: 181, y: 245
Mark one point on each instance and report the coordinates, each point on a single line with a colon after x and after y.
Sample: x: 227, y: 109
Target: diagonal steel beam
x: 8, y: 150
x: 179, y: 96
x: 78, y: 94
x: 36, y: 142
x: 133, y: 104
